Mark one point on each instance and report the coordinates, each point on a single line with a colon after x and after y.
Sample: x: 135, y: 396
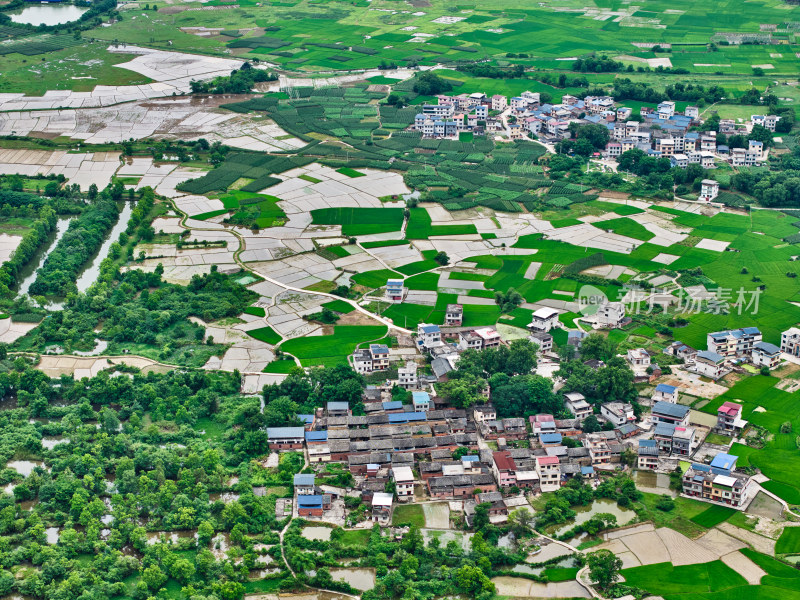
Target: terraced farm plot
x: 360, y: 221
x: 332, y: 349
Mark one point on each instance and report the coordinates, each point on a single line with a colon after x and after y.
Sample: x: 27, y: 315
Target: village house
x: 682, y: 351
x: 551, y: 439
x: 610, y: 314
x: 453, y: 315
x: 543, y: 320
x: 504, y: 469
x: 638, y: 357
x: 395, y: 290
x: 313, y: 505
x: 670, y: 413
x: 665, y: 393
x: 428, y: 336
x: 729, y: 418
x: 404, y: 483
x: 766, y: 355
x: 407, y: 376
x: 421, y: 401
x: 285, y: 438
x: 543, y: 340
x: 542, y: 424
x: 718, y: 482
x: 647, y: 454
x: 304, y: 484
x: 338, y: 409
x: 790, y: 341
x: 599, y: 449
x: 483, y: 413
x: 734, y: 343
x: 479, y: 339
x: 577, y: 405
x: 709, y: 189
x: 549, y: 470
x: 710, y: 364
x: 382, y: 508
x: 374, y: 358
x: 617, y: 413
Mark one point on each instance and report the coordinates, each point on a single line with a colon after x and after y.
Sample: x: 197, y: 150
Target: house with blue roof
x: 313, y: 505
x: 647, y: 454
x: 285, y: 438
x: 665, y: 393
x: 421, y: 401
x: 710, y: 364
x: 407, y: 417
x: 723, y: 464
x: 719, y: 483
x: 734, y: 343
x: 670, y: 413
x: 304, y: 484
x: 393, y: 406
x: 766, y: 355
x: 550, y: 440
x: 428, y: 336
x: 316, y: 437
x: 307, y: 420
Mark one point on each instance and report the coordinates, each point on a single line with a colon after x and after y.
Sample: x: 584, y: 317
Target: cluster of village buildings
x: 424, y: 448
x: 663, y: 131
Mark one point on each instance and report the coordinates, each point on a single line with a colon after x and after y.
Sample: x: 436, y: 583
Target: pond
x: 447, y: 536
x: 24, y: 467
x: 225, y: 496
x: 548, y: 552
x: 52, y: 442
x: 52, y: 534
x: 584, y: 513
x: 361, y: 579
x: 48, y: 14
x: 654, y: 483
x: 317, y: 533
x: 90, y: 273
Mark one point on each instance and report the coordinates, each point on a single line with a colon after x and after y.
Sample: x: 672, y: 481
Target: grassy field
x: 408, y: 514
x: 339, y: 306
x: 279, y: 366
x: 789, y: 542
x: 667, y: 580
x: 713, y: 515
x: 360, y: 221
x: 265, y: 334
x: 332, y: 349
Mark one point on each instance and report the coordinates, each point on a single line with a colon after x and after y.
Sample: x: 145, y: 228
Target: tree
x: 441, y: 258
x: 597, y: 346
x: 154, y: 577
x: 591, y: 424
x: 509, y: 300
x: 463, y: 391
x: 521, y: 521
x: 430, y: 84
x: 786, y: 427
x: 604, y: 567
x: 665, y: 503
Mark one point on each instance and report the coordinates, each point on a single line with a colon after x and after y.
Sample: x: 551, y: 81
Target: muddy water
x: 584, y: 513
x: 52, y: 14
x: 317, y: 533
x: 52, y: 442
x: 24, y: 467
x: 361, y: 579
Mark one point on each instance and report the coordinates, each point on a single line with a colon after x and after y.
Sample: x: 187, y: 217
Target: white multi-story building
x: 790, y: 341
x: 709, y: 189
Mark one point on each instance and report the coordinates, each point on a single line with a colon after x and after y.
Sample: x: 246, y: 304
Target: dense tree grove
x: 430, y: 84
x: 134, y: 463
x: 84, y: 237
x: 140, y: 308
x: 240, y: 81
